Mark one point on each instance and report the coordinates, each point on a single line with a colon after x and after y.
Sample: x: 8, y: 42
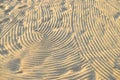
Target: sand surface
x: 59, y: 39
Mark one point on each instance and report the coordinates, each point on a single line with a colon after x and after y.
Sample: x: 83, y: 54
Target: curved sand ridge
x: 60, y: 40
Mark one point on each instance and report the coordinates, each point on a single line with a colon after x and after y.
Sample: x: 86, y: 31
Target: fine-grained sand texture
x: 59, y: 39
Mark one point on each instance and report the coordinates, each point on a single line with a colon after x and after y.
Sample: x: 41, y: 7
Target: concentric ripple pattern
x: 59, y: 39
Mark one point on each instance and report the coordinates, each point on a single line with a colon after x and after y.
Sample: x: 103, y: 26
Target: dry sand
x: 59, y: 39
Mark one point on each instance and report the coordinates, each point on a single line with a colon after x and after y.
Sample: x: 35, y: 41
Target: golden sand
x: 59, y: 39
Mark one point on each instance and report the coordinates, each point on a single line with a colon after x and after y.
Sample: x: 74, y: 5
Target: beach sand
x: 59, y: 39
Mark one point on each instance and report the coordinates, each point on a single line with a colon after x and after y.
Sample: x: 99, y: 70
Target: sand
x: 59, y: 39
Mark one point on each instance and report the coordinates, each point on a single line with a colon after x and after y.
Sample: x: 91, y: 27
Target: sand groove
x: 60, y: 40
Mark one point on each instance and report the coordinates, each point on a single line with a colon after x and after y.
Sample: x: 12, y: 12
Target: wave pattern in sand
x: 59, y: 40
